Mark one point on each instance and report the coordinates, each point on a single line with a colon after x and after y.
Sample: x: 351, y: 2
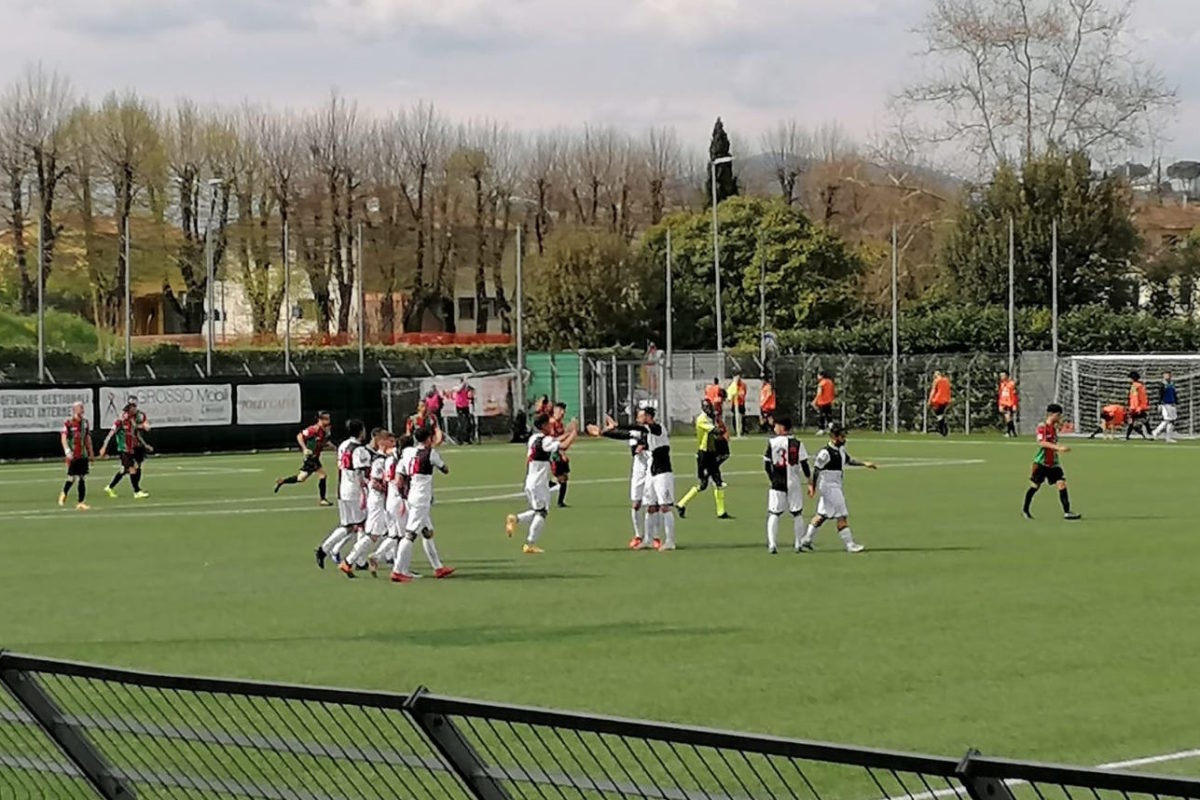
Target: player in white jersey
x: 659, y: 482
x: 353, y: 462
x: 542, y: 446
x: 785, y: 460
x: 395, y: 504
x: 383, y: 443
x: 420, y: 468
x: 827, y: 484
x: 639, y: 472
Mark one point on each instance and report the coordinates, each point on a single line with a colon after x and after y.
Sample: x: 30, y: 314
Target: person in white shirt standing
x: 396, y: 504
x: 785, y: 459
x: 353, y: 462
x: 542, y: 446
x: 659, y: 491
x: 827, y: 484
x: 383, y: 444
x: 639, y: 474
x: 420, y: 468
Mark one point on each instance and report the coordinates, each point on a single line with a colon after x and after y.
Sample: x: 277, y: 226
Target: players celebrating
x: 125, y: 432
x: 76, y: 442
x: 712, y: 449
x: 784, y: 460
x: 542, y: 446
x: 312, y: 441
x: 353, y: 462
x: 560, y: 465
x: 827, y: 485
x: 1046, y: 466
x: 419, y: 468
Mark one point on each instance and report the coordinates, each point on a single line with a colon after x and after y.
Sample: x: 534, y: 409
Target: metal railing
x: 72, y: 730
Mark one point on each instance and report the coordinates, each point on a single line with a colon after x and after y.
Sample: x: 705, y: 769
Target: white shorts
x: 418, y: 520
x: 1169, y: 413
x: 638, y: 488
x: 831, y: 503
x: 397, y: 515
x: 662, y: 490
x: 351, y: 512
x: 789, y: 502
x: 377, y: 521
x: 538, y: 495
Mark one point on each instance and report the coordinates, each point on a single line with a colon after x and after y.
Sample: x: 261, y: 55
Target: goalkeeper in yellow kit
x: 712, y: 444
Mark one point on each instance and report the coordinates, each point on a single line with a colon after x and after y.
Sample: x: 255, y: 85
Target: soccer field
x: 962, y: 625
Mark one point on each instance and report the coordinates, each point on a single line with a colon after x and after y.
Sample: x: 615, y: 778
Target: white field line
x: 274, y: 500
x: 162, y: 471
x: 1112, y: 765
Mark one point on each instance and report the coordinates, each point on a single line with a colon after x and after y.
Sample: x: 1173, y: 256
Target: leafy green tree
x: 1097, y: 240
x: 587, y: 289
x: 727, y: 183
x: 1171, y: 277
x: 810, y: 274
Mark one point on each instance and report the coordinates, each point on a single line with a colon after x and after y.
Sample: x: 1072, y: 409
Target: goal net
x: 1085, y: 384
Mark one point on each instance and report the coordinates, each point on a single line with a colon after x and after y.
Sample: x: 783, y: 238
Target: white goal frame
x: 1072, y: 390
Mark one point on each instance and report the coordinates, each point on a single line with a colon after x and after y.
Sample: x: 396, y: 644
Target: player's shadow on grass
x: 492, y: 635
x: 476, y: 574
x: 683, y: 548
x: 945, y: 549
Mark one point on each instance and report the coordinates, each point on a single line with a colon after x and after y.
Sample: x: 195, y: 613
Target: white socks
x: 798, y: 529
x: 431, y: 553
x: 1167, y: 428
x: 526, y: 517
x: 653, y: 527
x: 403, y: 565
x: 668, y: 523
x: 386, y: 549
x: 361, y: 548
x: 635, y: 515
x: 333, y: 543
x: 847, y: 537
x: 535, y: 527
x: 809, y: 535
x: 772, y: 531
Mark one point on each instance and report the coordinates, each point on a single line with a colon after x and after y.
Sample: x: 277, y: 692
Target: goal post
x: 1087, y: 383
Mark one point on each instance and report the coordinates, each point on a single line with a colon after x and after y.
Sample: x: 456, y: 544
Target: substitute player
x: 766, y: 405
x: 1007, y: 402
x: 939, y: 401
x: 419, y: 469
x: 353, y: 462
x: 827, y: 483
x: 1139, y: 408
x: 737, y: 401
x: 1168, y: 399
x: 312, y: 441
x: 823, y: 401
x: 76, y: 440
x: 785, y: 459
x: 560, y: 465
x: 710, y: 454
x: 542, y: 445
x: 1112, y: 420
x: 124, y: 431
x: 1046, y: 466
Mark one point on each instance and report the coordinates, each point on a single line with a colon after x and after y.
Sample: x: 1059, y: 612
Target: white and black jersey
x: 420, y: 469
x: 658, y: 442
x: 785, y: 458
x: 830, y: 465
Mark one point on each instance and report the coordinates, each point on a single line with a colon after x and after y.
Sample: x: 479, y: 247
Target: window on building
x: 466, y: 308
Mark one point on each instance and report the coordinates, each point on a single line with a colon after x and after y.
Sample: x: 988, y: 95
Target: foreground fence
x: 70, y: 730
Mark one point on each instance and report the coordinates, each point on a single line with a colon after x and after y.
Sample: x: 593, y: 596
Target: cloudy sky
x: 534, y: 63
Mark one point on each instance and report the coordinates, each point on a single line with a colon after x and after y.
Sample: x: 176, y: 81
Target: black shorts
x: 740, y: 409
x: 311, y: 464
x: 1043, y: 474
x: 128, y: 462
x: 1138, y: 416
x: 708, y: 468
x: 1008, y: 409
x: 560, y: 467
x: 939, y: 409
x: 825, y: 411
x: 139, y: 453
x: 78, y: 467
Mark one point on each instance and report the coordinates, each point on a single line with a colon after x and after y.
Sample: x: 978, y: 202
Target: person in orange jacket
x: 1139, y: 407
x: 939, y: 401
x: 1007, y: 401
x: 766, y: 405
x: 1112, y: 419
x: 823, y: 401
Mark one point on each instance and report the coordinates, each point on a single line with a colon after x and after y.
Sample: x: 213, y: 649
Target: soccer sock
x: 562, y: 493
x: 360, y: 550
x: 385, y: 549
x: 798, y: 530
x: 333, y: 542
x: 635, y: 515
x: 1129, y: 431
x: 847, y: 536
x: 116, y: 479
x: 431, y: 553
x: 136, y: 479
x: 810, y: 534
x: 719, y: 496
x: 289, y: 479
x: 1162, y: 427
x: 1029, y: 493
x: 1170, y: 431
x: 67, y: 487
x: 535, y: 529
x: 526, y: 517
x: 321, y: 487
x: 1012, y: 428
x: 1065, y: 498
x: 668, y: 523
x: 687, y: 498
x: 82, y: 489
x: 772, y: 530
x: 403, y: 565
x: 653, y: 526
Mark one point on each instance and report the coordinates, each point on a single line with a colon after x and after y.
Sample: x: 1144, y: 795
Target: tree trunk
x: 28, y: 293
x: 480, y: 269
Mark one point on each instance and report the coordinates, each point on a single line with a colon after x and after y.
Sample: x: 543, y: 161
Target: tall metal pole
x: 670, y: 310
x: 1012, y: 305
x: 128, y: 307
x: 208, y: 266
x: 717, y: 271
x: 519, y: 389
x: 762, y: 306
x: 287, y: 303
x: 895, y: 332
x: 362, y: 307
x: 1054, y: 289
x: 41, y: 294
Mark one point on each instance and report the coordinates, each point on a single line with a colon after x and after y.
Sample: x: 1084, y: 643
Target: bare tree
x: 280, y: 147
x: 543, y: 160
x: 422, y: 136
x: 663, y: 164
x: 15, y: 164
x: 1011, y: 78
x: 790, y: 149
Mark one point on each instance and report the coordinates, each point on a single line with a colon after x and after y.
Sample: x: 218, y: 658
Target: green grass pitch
x: 962, y: 625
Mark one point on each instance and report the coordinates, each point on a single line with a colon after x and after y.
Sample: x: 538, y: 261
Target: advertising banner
x: 40, y: 410
x: 171, y: 406
x: 268, y: 403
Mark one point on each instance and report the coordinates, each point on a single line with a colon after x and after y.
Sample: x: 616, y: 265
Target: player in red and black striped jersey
x: 77, y: 450
x: 312, y: 441
x: 1046, y: 464
x: 560, y: 465
x: 125, y: 432
x: 424, y: 420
